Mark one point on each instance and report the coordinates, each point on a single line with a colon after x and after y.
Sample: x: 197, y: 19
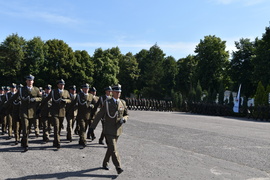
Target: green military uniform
x: 115, y: 114
x: 29, y: 97
x: 45, y: 114
x: 85, y: 106
x: 95, y: 102
x: 71, y: 114
x: 16, y: 120
x: 58, y: 110
x: 2, y: 115
x: 99, y: 104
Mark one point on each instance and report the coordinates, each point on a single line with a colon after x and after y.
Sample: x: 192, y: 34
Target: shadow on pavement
x: 63, y: 175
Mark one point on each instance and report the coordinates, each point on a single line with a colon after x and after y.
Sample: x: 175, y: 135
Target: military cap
x: 93, y: 89
x: 85, y: 85
x: 29, y: 77
x: 1, y: 88
x: 109, y: 88
x: 13, y: 85
x: 72, y: 87
x: 48, y: 87
x: 19, y: 86
x: 117, y: 88
x: 7, y: 88
x: 61, y: 81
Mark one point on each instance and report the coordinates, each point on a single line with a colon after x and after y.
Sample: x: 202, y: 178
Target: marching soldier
x: 1, y: 106
x: 60, y: 97
x: 45, y: 114
x: 71, y: 112
x: 115, y: 113
x: 8, y: 108
x: 4, y: 110
x: 99, y: 104
x: 85, y: 104
x: 93, y: 91
x: 29, y: 96
x: 16, y: 118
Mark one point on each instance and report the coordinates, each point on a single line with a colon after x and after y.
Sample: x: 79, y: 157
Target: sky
x: 176, y: 26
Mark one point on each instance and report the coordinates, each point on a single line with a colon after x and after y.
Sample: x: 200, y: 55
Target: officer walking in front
x: 115, y: 113
x: 29, y: 96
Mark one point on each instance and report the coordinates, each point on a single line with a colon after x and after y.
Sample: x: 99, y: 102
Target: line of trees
x: 147, y: 74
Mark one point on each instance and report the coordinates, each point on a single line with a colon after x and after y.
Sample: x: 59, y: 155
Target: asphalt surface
x: 154, y: 145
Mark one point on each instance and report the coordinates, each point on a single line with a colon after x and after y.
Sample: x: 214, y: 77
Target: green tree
x: 59, y: 61
x: 106, y: 67
x: 186, y: 74
x: 261, y: 61
x: 129, y: 73
x: 11, y: 58
x: 221, y: 94
x: 168, y: 82
x: 152, y: 72
x: 83, y: 69
x: 241, y: 71
x: 212, y: 61
x: 198, y: 92
x: 260, y: 95
x: 34, y: 59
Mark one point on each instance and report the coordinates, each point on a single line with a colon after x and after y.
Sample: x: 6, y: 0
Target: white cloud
x: 31, y: 12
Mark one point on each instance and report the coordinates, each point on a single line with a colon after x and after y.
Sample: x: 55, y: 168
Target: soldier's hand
x: 32, y: 100
x: 63, y: 100
x: 91, y: 105
x: 122, y: 121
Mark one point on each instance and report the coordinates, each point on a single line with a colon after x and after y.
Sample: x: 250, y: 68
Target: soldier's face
x: 61, y: 86
x: 108, y: 93
x: 29, y: 83
x: 116, y: 94
x: 13, y: 89
x: 47, y: 91
x: 72, y: 91
x: 85, y: 90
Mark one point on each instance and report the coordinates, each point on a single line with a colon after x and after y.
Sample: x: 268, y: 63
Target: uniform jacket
x: 85, y: 105
x: 59, y: 102
x: 112, y: 114
x: 45, y: 111
x: 29, y: 100
x: 99, y: 104
x: 72, y: 108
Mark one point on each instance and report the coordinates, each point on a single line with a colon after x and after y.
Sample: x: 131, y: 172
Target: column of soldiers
x: 23, y: 108
x: 149, y: 104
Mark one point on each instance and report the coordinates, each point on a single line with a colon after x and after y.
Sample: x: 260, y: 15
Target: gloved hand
x: 122, y: 121
x: 32, y: 100
x: 63, y: 100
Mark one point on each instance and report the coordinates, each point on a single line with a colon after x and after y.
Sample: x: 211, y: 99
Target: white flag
x: 237, y: 102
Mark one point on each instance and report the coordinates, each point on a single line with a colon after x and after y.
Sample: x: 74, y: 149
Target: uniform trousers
x: 4, y: 124
x: 46, y: 126
x: 25, y: 129
x: 58, y: 121
x: 9, y: 124
x: 112, y: 151
x: 70, y: 124
x: 17, y: 126
x: 83, y: 123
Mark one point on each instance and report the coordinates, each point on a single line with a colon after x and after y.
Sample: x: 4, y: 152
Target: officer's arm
x: 125, y: 115
x: 98, y: 117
